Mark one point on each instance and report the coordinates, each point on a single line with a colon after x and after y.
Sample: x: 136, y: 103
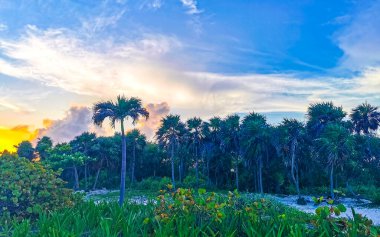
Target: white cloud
x: 191, y: 6
x: 7, y: 104
x: 3, y: 27
x: 99, y: 23
x: 359, y: 40
x: 148, y: 46
x: 152, y: 4
x: 140, y: 67
x: 368, y: 82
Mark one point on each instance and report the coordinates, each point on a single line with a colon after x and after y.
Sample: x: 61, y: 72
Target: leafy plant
x: 29, y: 188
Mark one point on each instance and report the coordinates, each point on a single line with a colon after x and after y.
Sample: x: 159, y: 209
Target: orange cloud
x: 9, y: 137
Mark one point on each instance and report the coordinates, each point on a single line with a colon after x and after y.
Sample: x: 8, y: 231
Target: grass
x: 185, y: 213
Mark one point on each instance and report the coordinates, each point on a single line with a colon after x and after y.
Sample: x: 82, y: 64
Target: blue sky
x: 198, y: 57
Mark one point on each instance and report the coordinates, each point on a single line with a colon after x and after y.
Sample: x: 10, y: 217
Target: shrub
x: 154, y: 183
x: 191, y: 181
x: 150, y: 183
x: 164, y: 182
x: 28, y: 188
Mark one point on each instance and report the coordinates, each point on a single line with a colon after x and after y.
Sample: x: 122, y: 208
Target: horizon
x: 186, y: 57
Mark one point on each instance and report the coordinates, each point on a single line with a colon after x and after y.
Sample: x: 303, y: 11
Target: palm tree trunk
x: 172, y: 160
x: 208, y: 170
x: 255, y: 179
x: 196, y: 166
x: 237, y: 173
x: 133, y: 163
x: 85, y: 175
x: 332, y: 180
x: 97, y: 174
x: 179, y: 173
x: 76, y: 184
x: 123, y: 164
x: 295, y: 180
x: 261, y: 174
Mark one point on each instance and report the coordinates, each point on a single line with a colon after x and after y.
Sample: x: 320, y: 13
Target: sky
x: 189, y: 57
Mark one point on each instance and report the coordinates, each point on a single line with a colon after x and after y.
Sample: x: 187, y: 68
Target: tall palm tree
x: 214, y: 132
x: 194, y: 126
x: 321, y: 114
x: 335, y: 145
x: 169, y: 134
x: 293, y: 132
x: 119, y: 111
x: 230, y: 141
x: 365, y: 118
x: 256, y: 140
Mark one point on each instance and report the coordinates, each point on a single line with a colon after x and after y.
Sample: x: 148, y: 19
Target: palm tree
x: 293, y: 132
x: 194, y: 126
x: 230, y: 141
x: 365, y: 118
x: 25, y: 149
x: 119, y: 111
x: 321, y: 114
x: 83, y: 144
x: 43, y: 145
x: 256, y: 140
x: 138, y: 141
x: 169, y: 134
x: 335, y: 144
x: 213, y: 130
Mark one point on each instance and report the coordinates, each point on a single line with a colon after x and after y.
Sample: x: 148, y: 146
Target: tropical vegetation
x: 332, y: 153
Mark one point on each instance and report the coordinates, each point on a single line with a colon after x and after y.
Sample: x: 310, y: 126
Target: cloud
x: 359, y: 39
x: 9, y: 105
x: 191, y: 6
x: 368, y: 83
x: 3, y: 27
x: 148, y: 46
x: 52, y: 57
x: 76, y: 121
x: 148, y: 67
x: 156, y: 113
x: 100, y: 23
x: 152, y: 4
x: 79, y: 119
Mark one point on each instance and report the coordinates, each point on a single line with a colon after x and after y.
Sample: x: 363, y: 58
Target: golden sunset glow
x: 9, y: 137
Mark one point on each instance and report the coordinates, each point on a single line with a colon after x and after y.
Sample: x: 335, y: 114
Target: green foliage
x: 25, y: 150
x: 191, y: 181
x: 329, y: 223
x: 28, y: 188
x: 185, y: 212
x: 154, y: 183
x: 42, y: 147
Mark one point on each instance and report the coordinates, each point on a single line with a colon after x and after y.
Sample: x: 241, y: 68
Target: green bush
x: 164, y: 182
x: 191, y: 181
x: 154, y: 183
x: 150, y: 183
x: 28, y: 188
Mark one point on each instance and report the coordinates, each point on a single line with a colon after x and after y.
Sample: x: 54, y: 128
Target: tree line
x: 331, y: 149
